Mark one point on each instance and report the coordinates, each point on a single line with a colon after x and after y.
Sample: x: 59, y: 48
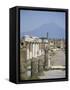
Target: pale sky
x: 30, y: 20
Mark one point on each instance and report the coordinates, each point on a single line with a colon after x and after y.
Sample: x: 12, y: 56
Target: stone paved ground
x: 57, y: 60
x: 53, y: 74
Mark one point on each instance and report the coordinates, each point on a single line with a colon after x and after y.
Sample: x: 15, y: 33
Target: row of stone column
x: 36, y: 67
x: 37, y: 64
x: 33, y: 50
x: 23, y: 64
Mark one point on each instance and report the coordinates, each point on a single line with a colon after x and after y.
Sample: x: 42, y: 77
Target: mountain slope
x: 54, y: 31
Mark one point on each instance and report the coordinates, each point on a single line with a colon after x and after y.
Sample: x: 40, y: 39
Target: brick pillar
x: 23, y: 64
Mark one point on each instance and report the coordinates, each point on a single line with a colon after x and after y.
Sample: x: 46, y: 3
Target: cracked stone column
x: 40, y: 66
x: 46, y: 59
x: 34, y: 67
x: 49, y: 59
x: 23, y: 64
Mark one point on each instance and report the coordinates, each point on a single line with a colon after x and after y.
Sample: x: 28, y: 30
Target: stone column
x: 46, y: 59
x: 23, y: 64
x: 28, y: 52
x: 34, y: 67
x: 33, y: 50
x: 49, y: 61
x: 40, y: 66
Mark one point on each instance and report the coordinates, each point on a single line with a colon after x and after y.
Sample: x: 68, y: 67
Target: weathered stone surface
x: 40, y: 66
x: 23, y: 64
x: 46, y: 58
x: 34, y: 67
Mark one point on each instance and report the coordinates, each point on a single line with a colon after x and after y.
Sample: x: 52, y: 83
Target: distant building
x: 56, y: 43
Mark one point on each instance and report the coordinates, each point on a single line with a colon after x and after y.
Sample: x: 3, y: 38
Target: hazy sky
x: 30, y: 20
